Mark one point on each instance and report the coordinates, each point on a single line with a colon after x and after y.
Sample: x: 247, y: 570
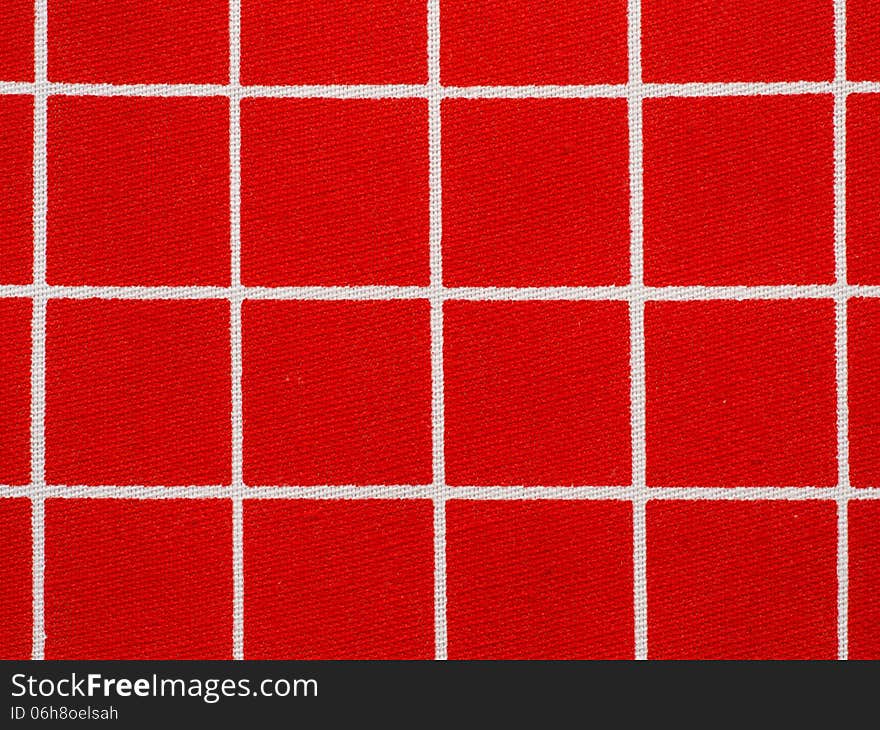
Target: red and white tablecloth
x: 439, y: 329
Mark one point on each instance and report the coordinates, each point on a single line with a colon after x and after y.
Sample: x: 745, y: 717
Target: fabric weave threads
x: 401, y: 288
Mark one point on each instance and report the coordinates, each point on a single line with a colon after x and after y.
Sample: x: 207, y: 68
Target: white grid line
x: 235, y: 305
x: 425, y: 91
x: 636, y: 293
x: 841, y: 302
x: 428, y: 492
x: 637, y: 330
x: 383, y: 292
x: 436, y: 298
x: 38, y: 332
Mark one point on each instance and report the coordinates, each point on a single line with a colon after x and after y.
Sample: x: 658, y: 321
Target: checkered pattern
x: 323, y: 338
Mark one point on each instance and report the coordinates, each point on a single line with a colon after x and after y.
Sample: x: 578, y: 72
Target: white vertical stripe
x: 38, y: 332
x: 841, y: 298
x: 436, y: 301
x: 637, y: 331
x: 235, y: 301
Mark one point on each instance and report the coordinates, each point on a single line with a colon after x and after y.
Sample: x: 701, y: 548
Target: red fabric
x: 752, y: 176
x: 17, y: 40
x: 334, y: 192
x: 742, y: 580
x: 862, y: 182
x: 145, y: 384
x: 741, y: 394
x: 15, y: 390
x: 337, y: 393
x: 361, y: 584
x: 864, y: 392
x: 537, y: 393
x: 737, y: 40
x: 540, y: 580
x: 16, y: 628
x: 140, y: 191
x: 173, y: 41
x: 864, y: 580
x: 138, y: 579
x: 560, y: 42
x: 535, y: 192
x: 441, y: 323
x: 351, y: 42
x: 16, y: 190
x: 862, y: 31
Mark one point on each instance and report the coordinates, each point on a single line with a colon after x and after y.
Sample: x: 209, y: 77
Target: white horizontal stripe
x: 427, y: 491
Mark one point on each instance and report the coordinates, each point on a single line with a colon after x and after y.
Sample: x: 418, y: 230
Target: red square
x: 352, y: 42
x: 537, y: 393
x: 486, y: 42
x: 15, y: 391
x: 16, y: 580
x: 337, y: 392
x: 139, y: 41
x: 334, y: 192
x: 138, y: 392
x: 527, y: 201
x: 16, y: 188
x: 539, y: 580
x: 862, y: 32
x: 339, y: 579
x: 138, y: 191
x: 742, y: 580
x: 737, y: 40
x: 864, y: 392
x: 741, y: 394
x: 739, y: 190
x: 864, y: 580
x: 862, y: 183
x: 17, y: 18
x: 138, y: 579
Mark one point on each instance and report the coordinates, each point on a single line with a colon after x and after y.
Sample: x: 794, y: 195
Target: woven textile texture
x: 416, y: 329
